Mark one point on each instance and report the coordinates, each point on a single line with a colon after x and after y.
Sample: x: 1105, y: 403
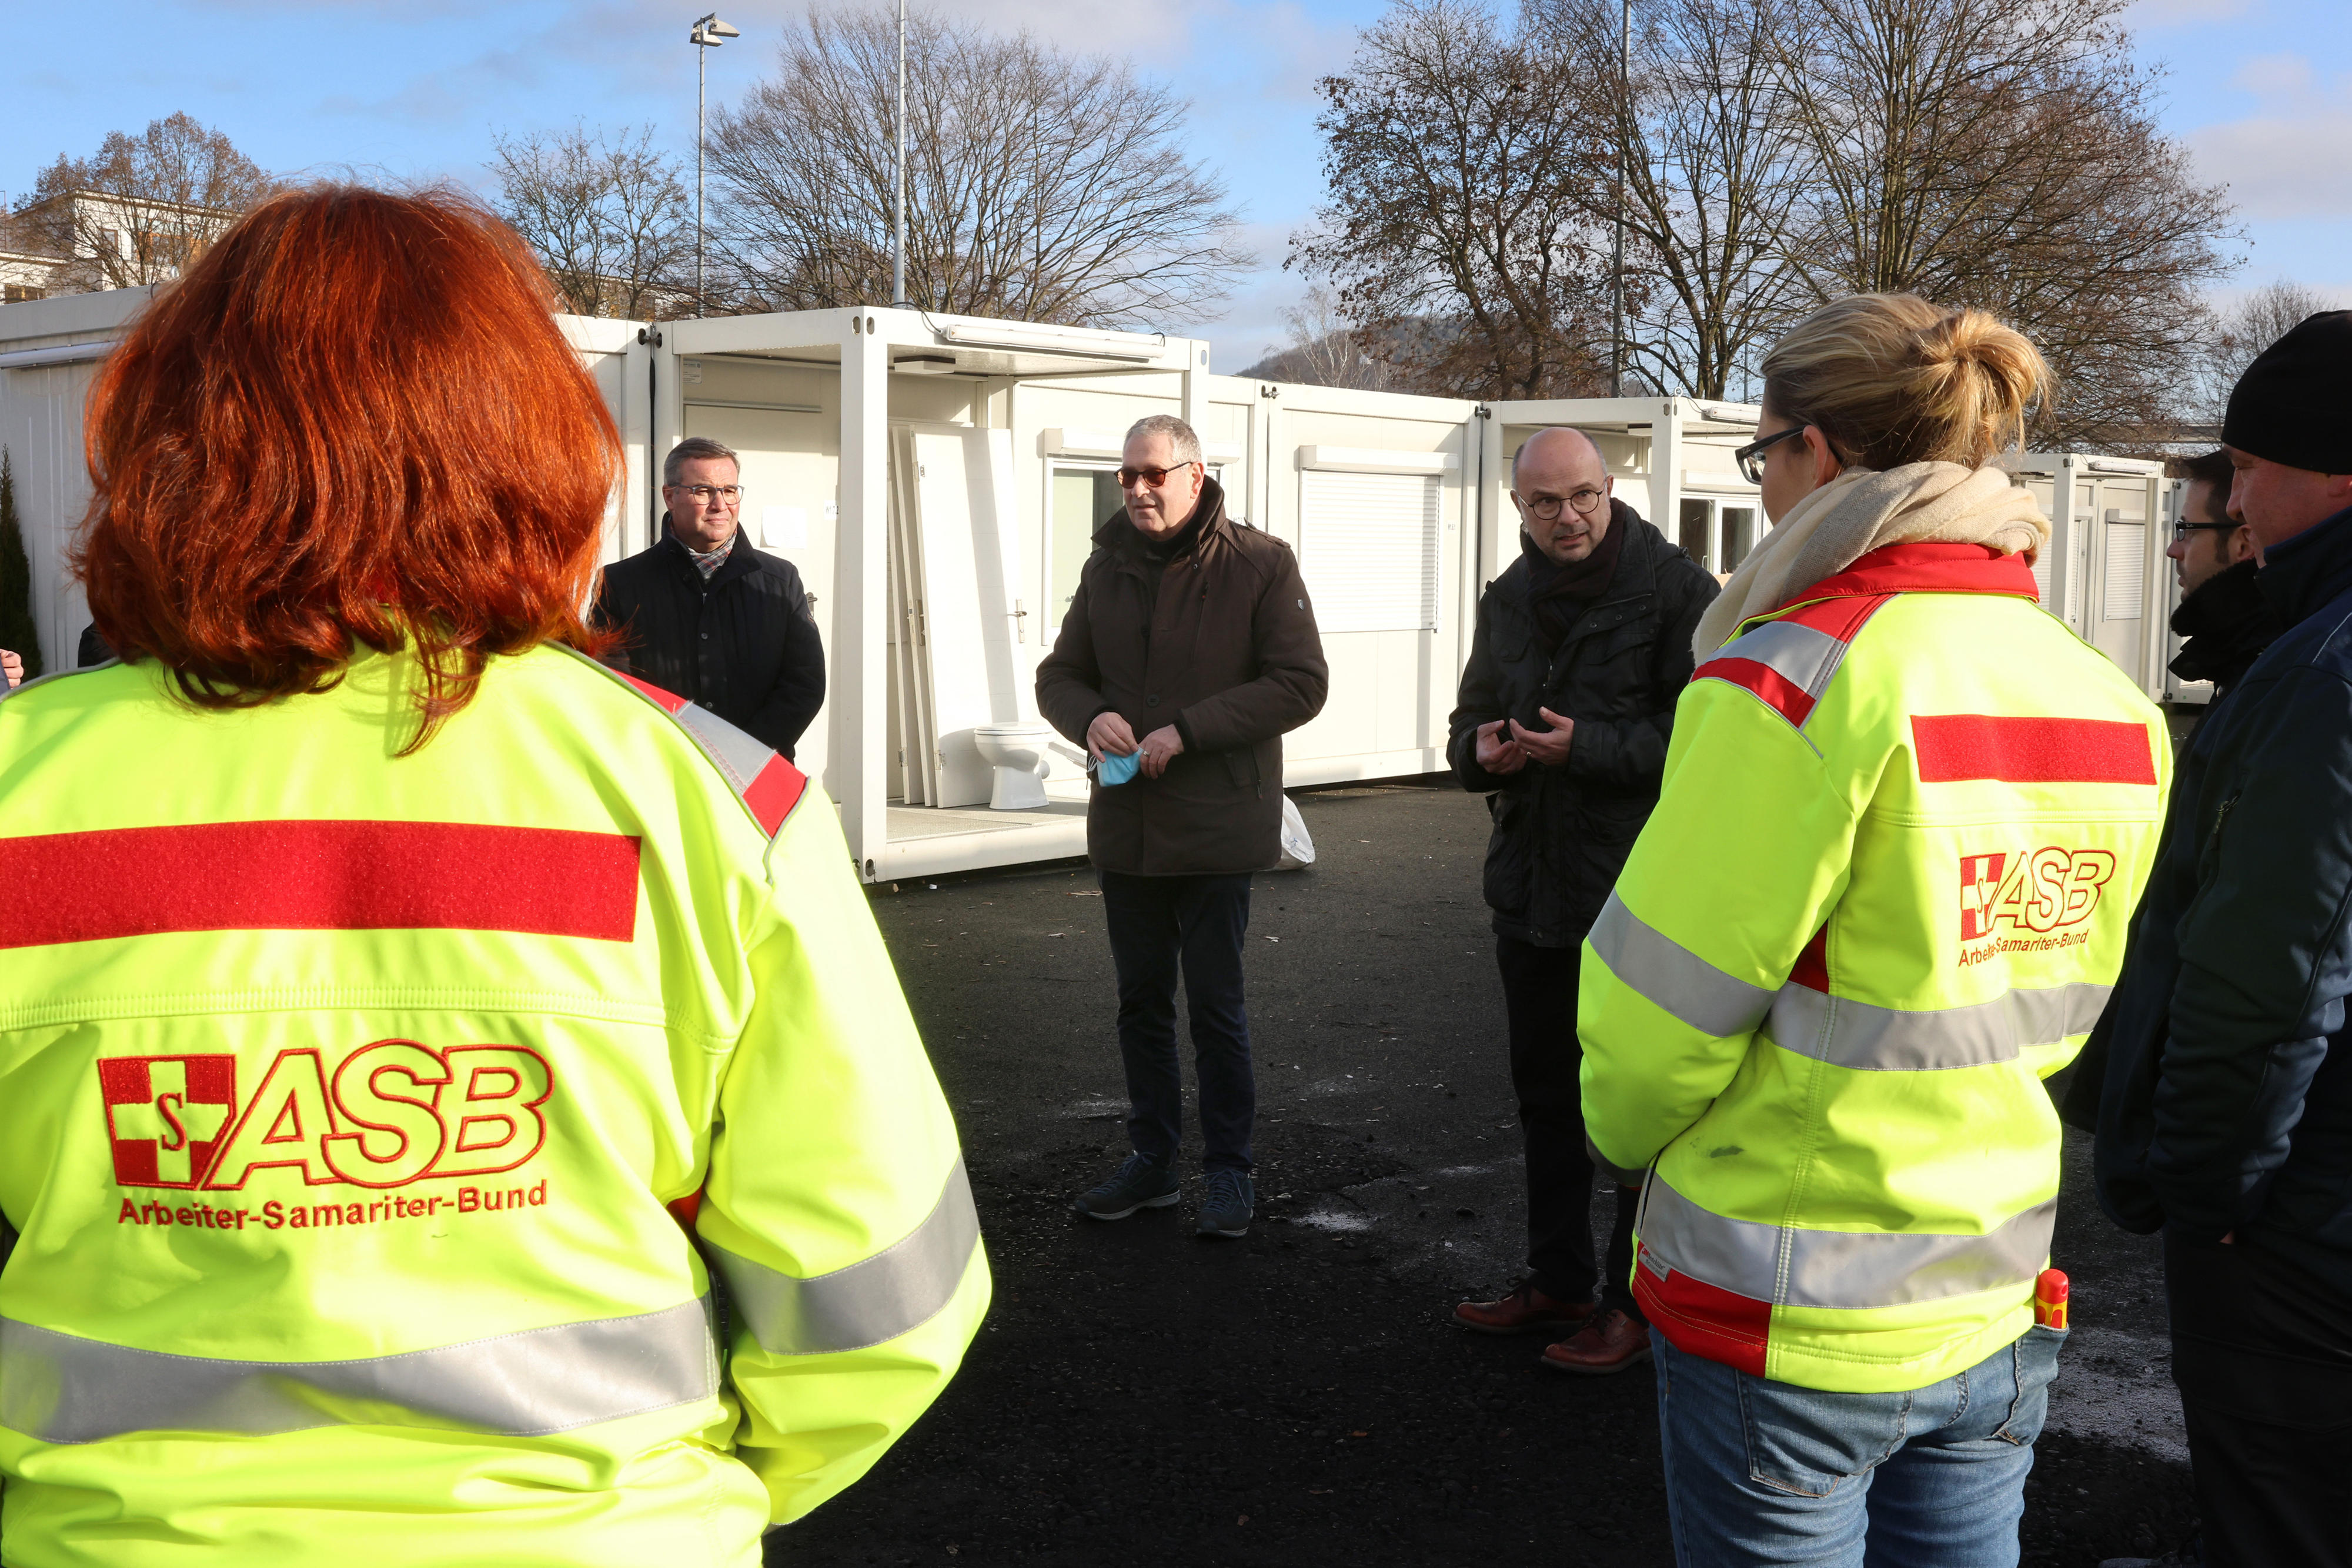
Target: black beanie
x: 2293, y: 404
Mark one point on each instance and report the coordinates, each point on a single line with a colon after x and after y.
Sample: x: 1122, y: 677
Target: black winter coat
x: 1219, y: 642
x: 2227, y: 1101
x: 742, y: 644
x: 1561, y: 834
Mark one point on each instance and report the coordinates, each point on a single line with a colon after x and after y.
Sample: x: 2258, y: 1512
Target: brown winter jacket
x: 1223, y: 647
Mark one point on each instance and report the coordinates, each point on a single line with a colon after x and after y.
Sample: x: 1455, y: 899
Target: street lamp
x: 709, y: 34
x: 898, y: 300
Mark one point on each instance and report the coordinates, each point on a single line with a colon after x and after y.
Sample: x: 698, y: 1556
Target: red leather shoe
x: 1611, y: 1342
x: 1524, y: 1310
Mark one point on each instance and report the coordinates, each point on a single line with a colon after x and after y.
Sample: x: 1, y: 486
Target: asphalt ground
x: 1140, y: 1394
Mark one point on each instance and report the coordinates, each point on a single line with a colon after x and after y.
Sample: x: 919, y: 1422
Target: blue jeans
x: 1162, y: 927
x: 1766, y: 1473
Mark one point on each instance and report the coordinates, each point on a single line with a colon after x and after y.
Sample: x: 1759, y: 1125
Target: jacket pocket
x: 1507, y: 869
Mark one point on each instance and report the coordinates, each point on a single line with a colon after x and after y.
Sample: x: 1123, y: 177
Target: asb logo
x: 2031, y: 894
x: 391, y: 1112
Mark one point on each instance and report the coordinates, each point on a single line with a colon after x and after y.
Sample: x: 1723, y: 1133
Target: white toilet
x: 1017, y: 753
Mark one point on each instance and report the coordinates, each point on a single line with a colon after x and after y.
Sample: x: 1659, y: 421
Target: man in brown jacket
x: 1193, y: 630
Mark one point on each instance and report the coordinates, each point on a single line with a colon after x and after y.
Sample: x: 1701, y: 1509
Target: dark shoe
x: 1524, y: 1310
x: 1611, y: 1342
x: 1139, y: 1184
x: 1228, y: 1199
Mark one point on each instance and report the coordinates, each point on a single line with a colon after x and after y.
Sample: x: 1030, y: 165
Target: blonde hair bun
x: 1891, y: 379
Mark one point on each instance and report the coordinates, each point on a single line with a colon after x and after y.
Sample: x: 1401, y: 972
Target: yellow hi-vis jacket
x: 1904, y: 824
x: 343, y: 1099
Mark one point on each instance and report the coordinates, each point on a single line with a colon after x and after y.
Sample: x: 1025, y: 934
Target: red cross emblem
x: 167, y: 1116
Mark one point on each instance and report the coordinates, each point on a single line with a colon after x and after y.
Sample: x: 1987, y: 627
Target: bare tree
x: 143, y: 208
x: 2004, y: 154
x: 2245, y: 329
x: 1461, y: 165
x: 1716, y: 178
x: 608, y: 215
x: 1040, y: 186
x: 1325, y: 349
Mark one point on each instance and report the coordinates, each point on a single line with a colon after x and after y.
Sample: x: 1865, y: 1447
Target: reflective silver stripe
x: 870, y: 1301
x: 739, y: 756
x: 1847, y: 1033
x: 61, y: 1388
x: 1844, y: 1269
x: 1799, y: 655
x: 1674, y: 978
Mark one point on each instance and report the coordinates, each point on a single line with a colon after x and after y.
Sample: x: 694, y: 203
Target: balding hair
x: 1591, y: 445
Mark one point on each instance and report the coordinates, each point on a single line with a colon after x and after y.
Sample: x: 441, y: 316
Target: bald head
x: 1561, y: 473
x: 1558, y: 443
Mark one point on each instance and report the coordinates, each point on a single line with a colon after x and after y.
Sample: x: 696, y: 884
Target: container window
x: 1697, y: 524
x: 1738, y: 536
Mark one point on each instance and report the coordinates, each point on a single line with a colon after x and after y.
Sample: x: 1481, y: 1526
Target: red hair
x: 352, y: 423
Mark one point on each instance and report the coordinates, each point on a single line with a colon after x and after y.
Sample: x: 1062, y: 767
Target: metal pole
x: 701, y: 83
x: 1617, y: 262
x: 898, y: 220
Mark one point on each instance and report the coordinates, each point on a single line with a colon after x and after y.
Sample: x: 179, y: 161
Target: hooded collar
x: 1926, y: 569
x: 2303, y: 575
x: 2228, y: 622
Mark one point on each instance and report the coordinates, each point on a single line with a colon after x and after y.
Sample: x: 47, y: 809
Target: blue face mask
x: 1113, y: 770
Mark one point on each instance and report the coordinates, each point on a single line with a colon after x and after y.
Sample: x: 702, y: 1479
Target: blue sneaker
x: 1139, y: 1184
x: 1228, y: 1199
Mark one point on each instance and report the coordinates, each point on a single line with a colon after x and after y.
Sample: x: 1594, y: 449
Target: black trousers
x: 2262, y: 1350
x: 1539, y: 996
x: 1161, y: 927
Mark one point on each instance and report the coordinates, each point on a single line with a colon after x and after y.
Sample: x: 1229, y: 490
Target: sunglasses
x: 1155, y: 477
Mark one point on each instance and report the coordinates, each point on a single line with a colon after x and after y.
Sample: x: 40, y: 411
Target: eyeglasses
x: 1155, y: 477
x: 722, y: 494
x: 1750, y: 457
x: 1585, y: 501
x: 2181, y: 530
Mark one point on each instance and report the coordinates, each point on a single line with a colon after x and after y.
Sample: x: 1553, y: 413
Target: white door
x: 962, y: 512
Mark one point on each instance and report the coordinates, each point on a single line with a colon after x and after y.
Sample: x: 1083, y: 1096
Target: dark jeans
x: 2262, y: 1349
x: 1160, y: 925
x: 1539, y: 996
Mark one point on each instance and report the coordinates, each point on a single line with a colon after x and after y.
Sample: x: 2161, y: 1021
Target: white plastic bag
x: 1297, y: 848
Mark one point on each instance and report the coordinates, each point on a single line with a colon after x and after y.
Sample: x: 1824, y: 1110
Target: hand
x: 1546, y: 746
x: 1498, y: 753
x: 1109, y: 736
x: 1161, y: 748
x: 11, y: 667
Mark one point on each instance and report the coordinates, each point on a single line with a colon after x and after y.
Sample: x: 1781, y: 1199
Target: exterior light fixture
x: 709, y: 32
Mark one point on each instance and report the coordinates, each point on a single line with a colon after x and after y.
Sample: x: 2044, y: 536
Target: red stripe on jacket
x: 335, y: 875
x: 1955, y: 746
x: 1702, y: 1320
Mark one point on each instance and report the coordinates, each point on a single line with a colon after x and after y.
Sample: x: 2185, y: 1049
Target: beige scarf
x: 1861, y: 510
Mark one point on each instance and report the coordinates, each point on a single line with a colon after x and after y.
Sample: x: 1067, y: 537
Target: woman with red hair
x: 402, y: 1016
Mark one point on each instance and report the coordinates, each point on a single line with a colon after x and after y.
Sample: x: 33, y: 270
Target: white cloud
x: 2281, y: 166
x: 2273, y: 75
x: 2293, y: 157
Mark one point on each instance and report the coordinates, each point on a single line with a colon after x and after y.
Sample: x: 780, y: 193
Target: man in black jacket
x: 1583, y: 645
x: 2225, y: 1112
x: 710, y: 618
x: 2222, y: 613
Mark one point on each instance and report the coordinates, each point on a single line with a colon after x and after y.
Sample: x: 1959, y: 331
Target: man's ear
x: 2243, y: 545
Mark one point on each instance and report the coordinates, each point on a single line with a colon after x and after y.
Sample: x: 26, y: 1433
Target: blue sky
x: 2260, y: 90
